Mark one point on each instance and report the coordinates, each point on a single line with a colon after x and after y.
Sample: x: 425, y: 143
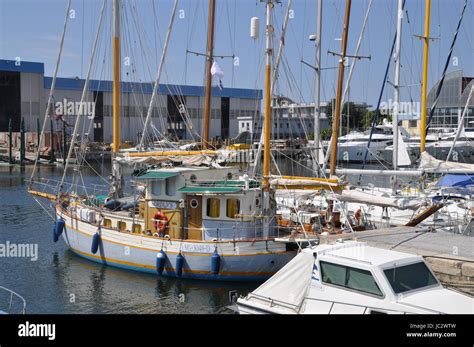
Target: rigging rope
x: 51, y: 91
x: 84, y: 92
x: 448, y: 59
x: 377, y: 109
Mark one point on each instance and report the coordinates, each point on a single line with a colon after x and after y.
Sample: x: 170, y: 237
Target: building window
x: 233, y: 208
x: 213, y: 207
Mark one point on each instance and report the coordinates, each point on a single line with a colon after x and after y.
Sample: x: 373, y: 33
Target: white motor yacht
x: 353, y: 278
x: 353, y: 146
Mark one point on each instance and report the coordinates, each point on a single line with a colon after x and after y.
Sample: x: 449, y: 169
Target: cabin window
x: 213, y: 207
x: 350, y: 278
x: 409, y: 277
x: 194, y: 203
x: 233, y: 208
x: 107, y: 222
x: 171, y: 186
x: 121, y: 226
x: 156, y: 187
x: 137, y: 228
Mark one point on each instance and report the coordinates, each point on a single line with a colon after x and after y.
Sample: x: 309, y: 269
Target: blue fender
x: 215, y: 262
x: 58, y: 229
x: 160, y: 262
x: 179, y: 264
x: 95, y: 243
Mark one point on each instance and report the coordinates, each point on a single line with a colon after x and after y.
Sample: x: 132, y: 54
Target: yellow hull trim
x: 225, y: 273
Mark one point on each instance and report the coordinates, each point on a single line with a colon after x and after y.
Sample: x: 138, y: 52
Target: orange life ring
x: 160, y: 221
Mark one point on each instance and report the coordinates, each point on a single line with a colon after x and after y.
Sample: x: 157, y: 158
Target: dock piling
x: 52, y: 159
x: 10, y: 142
x: 22, y: 142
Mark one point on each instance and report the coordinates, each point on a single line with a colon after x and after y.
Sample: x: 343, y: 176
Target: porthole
x: 229, y: 176
x: 193, y: 178
x: 194, y: 203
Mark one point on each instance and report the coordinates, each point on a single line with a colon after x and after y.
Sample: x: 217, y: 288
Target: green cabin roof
x: 160, y: 175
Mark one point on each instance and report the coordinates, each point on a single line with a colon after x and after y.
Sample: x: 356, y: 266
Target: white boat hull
x: 243, y: 260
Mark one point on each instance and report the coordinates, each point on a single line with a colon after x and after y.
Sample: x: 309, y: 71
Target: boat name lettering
x: 164, y: 204
x: 194, y: 248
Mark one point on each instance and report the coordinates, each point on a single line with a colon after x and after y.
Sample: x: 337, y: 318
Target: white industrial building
x: 24, y: 92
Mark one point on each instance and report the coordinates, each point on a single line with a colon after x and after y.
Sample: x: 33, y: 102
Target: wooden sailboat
x: 189, y: 222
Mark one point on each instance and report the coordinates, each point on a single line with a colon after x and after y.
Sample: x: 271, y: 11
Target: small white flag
x: 217, y: 71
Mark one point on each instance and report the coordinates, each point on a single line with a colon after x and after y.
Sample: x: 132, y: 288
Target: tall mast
x: 267, y: 120
x: 275, y: 77
x: 396, y: 96
x: 340, y: 79
x: 424, y: 82
x: 268, y: 97
x: 116, y: 88
x: 117, y: 179
x: 317, y: 87
x: 209, y: 59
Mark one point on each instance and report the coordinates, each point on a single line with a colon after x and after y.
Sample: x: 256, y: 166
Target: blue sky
x: 31, y: 30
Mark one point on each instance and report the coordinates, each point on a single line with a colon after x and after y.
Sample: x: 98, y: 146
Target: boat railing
x: 274, y: 302
x: 16, y: 304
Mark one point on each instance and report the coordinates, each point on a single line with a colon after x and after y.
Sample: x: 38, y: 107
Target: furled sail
x: 375, y: 200
x: 431, y: 164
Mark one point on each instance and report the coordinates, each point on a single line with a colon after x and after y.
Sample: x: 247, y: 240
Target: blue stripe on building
x: 21, y: 66
x: 147, y: 88
x: 127, y: 87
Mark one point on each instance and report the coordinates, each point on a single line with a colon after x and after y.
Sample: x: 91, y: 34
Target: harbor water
x: 59, y: 281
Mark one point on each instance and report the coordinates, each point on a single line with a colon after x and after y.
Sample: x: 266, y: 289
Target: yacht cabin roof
x: 359, y: 252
